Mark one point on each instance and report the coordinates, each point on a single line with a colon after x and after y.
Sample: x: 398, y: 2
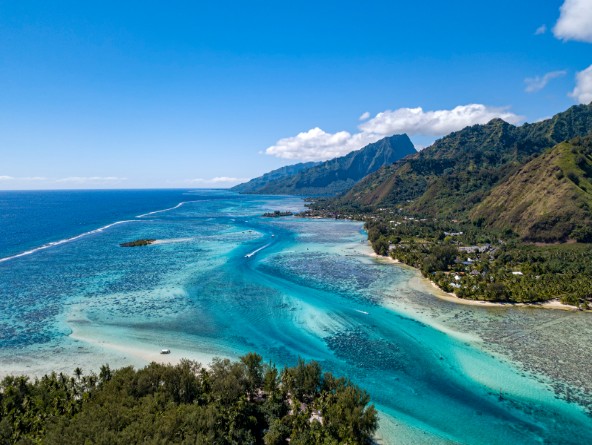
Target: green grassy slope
x: 547, y: 198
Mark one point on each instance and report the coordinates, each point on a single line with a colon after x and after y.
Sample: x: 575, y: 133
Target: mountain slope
x: 547, y: 198
x: 262, y: 181
x: 458, y: 171
x: 340, y: 174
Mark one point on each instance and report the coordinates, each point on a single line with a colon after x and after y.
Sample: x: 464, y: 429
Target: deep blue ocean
x: 30, y: 219
x: 222, y: 280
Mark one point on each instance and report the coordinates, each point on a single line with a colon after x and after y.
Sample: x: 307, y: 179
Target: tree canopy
x: 229, y: 402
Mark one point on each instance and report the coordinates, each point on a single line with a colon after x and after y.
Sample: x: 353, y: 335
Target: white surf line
x: 64, y: 241
x: 249, y: 255
x: 182, y: 203
x: 163, y: 210
x: 74, y: 238
x: 361, y: 312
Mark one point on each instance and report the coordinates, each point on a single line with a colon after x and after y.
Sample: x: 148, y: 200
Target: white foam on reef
x: 163, y: 210
x: 64, y: 241
x: 172, y: 240
x: 249, y: 255
x: 169, y: 209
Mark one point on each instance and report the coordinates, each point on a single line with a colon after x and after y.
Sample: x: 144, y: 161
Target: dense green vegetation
x: 485, y: 264
x: 449, y: 179
x: 336, y: 175
x: 137, y: 243
x: 472, y: 261
x: 277, y: 214
x: 243, y: 402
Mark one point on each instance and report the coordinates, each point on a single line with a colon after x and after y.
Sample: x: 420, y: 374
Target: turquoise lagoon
x: 222, y: 281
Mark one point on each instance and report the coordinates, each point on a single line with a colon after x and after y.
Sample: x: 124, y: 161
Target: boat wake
x: 64, y: 241
x: 249, y: 255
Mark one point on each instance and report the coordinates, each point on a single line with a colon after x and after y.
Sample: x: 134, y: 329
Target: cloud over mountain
x: 583, y: 90
x: 317, y: 144
x: 416, y: 121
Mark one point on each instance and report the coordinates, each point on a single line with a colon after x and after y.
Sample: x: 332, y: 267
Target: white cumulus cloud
x: 364, y: 116
x: 24, y: 178
x: 575, y: 21
x: 540, y: 30
x: 537, y: 83
x: 318, y: 145
x: 416, y: 121
x: 225, y: 179
x: 583, y: 90
x: 90, y: 179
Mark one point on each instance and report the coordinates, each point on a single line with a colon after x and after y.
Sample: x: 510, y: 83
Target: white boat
x: 165, y: 351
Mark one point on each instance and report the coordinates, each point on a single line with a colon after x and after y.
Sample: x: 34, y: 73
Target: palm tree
x: 105, y: 373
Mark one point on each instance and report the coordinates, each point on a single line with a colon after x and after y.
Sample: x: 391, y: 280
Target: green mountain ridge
x: 548, y: 198
x: 262, y: 181
x: 335, y: 176
x: 458, y: 172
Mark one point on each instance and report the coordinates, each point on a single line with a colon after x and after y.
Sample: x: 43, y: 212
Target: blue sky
x: 197, y: 94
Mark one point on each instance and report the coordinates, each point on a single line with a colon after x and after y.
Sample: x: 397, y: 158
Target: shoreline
x: 138, y: 353
x: 422, y: 283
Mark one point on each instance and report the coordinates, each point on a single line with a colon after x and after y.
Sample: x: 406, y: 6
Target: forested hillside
x: 455, y: 174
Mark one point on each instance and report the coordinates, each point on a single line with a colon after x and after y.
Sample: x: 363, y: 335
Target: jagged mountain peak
x: 337, y: 175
